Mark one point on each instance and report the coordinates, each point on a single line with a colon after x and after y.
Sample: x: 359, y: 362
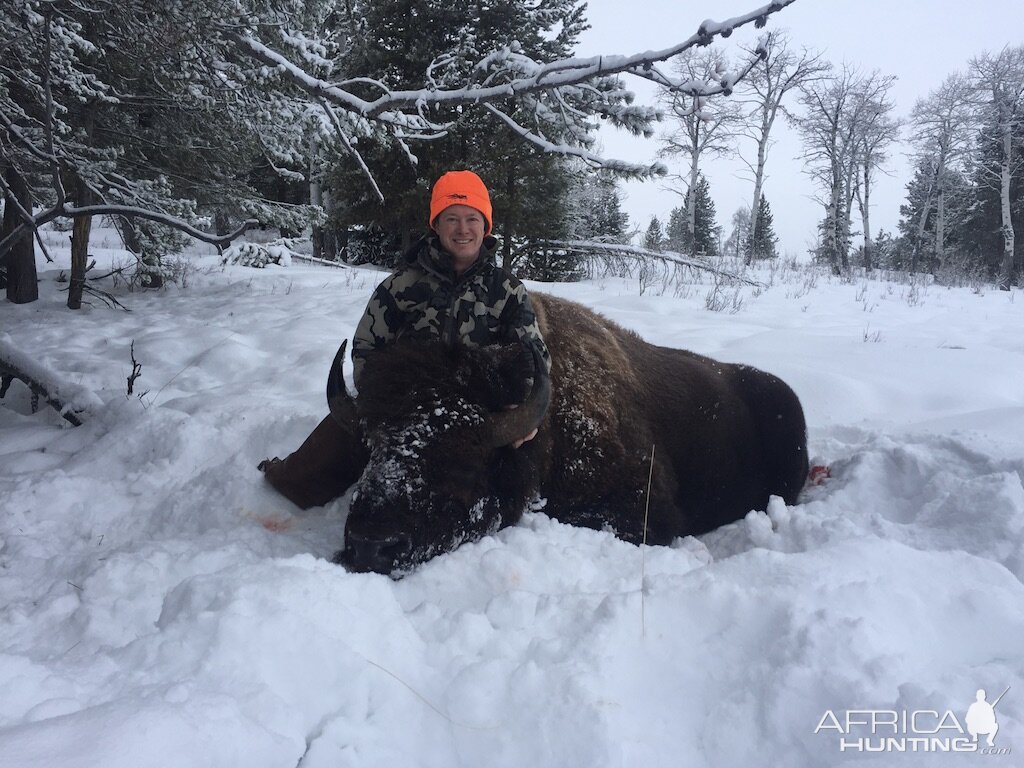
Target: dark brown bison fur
x: 725, y: 438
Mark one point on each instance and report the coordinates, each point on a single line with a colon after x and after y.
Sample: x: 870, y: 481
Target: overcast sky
x: 919, y: 41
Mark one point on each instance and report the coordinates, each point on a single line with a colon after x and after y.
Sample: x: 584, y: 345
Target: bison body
x: 724, y: 438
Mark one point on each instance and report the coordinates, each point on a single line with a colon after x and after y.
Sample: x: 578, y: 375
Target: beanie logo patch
x: 457, y: 196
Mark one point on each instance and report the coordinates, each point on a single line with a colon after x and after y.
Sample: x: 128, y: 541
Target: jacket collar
x: 430, y: 255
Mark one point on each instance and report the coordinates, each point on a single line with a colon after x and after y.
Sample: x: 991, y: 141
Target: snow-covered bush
x: 257, y: 255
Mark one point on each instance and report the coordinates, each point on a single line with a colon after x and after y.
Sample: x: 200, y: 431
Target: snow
x: 162, y: 606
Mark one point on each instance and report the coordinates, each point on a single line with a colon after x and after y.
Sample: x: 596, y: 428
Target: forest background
x: 330, y: 119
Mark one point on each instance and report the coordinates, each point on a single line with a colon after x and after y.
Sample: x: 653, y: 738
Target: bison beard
x: 727, y: 436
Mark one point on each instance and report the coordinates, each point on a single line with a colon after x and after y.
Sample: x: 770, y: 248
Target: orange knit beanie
x: 460, y: 188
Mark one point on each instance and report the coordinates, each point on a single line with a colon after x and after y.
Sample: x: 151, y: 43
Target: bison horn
x: 508, y: 426
x: 343, y: 407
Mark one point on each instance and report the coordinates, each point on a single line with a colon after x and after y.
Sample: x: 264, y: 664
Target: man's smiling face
x: 461, y: 230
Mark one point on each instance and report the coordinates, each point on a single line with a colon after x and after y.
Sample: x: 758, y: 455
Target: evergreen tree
x: 981, y: 234
x: 888, y: 250
x: 676, y: 235
x: 529, y: 188
x: 917, y: 220
x: 143, y: 106
x: 762, y: 244
x: 594, y: 213
x: 596, y: 210
x: 703, y: 241
x: 918, y: 214
x: 654, y: 238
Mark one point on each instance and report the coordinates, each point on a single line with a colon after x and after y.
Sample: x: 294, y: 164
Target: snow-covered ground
x: 161, y: 606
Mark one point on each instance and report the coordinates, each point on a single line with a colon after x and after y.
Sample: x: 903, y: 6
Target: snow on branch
x: 592, y: 159
x: 507, y: 73
x: 64, y: 210
x: 588, y: 248
x: 575, y: 71
x: 72, y: 401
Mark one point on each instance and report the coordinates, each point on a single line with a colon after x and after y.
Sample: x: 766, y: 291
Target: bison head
x: 438, y: 421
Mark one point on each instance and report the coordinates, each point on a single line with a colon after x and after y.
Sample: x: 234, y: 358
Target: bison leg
x: 322, y: 468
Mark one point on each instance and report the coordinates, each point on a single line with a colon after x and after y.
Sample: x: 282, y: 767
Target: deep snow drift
x: 161, y: 606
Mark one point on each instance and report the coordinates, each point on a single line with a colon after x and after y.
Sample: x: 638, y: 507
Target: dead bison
x: 438, y: 420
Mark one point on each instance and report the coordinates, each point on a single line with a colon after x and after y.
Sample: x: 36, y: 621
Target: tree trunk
x: 691, y: 204
x: 22, y: 281
x: 221, y: 223
x: 506, y: 246
x: 315, y: 197
x: 847, y: 221
x: 865, y: 215
x: 755, y: 209
x: 832, y: 230
x: 1006, y: 269
x: 80, y: 231
x: 149, y: 270
x: 508, y: 226
x: 79, y: 259
x: 922, y: 224
x: 340, y: 239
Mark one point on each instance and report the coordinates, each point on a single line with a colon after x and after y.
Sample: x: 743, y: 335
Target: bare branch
x: 585, y: 248
x: 590, y: 158
x: 340, y: 131
x: 132, y: 212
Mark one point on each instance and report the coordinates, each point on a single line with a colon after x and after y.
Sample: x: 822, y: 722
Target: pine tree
x: 762, y: 244
x: 703, y: 241
x: 596, y: 210
x: 529, y: 188
x: 962, y: 215
x: 144, y: 106
x: 677, y: 238
x: 981, y: 233
x: 654, y: 238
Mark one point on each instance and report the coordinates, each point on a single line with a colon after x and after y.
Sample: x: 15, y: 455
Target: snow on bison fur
x: 438, y: 421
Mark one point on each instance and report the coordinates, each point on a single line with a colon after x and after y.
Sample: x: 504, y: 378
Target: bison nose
x: 382, y: 555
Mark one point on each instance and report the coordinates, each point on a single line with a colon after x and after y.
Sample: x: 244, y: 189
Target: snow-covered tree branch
x: 181, y: 113
x: 587, y: 249
x: 509, y: 74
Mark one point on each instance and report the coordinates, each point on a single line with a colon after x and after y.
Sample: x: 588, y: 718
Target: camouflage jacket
x: 425, y: 299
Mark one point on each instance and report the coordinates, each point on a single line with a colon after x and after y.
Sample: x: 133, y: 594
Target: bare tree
x: 738, y: 236
x: 764, y: 90
x: 839, y: 113
x: 826, y: 155
x: 876, y: 131
x: 704, y: 127
x: 998, y: 84
x: 940, y: 133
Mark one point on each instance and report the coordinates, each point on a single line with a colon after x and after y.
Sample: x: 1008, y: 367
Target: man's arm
x: 378, y: 326
x: 519, y: 322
